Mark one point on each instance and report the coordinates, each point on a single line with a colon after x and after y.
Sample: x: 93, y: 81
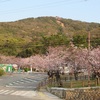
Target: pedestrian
x: 50, y: 78
x: 58, y: 78
x: 50, y: 74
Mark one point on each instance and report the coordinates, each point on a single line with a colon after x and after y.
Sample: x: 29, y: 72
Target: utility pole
x: 89, y: 42
x: 89, y: 45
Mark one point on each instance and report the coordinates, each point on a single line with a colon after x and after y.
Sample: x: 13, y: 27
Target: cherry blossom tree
x: 75, y: 58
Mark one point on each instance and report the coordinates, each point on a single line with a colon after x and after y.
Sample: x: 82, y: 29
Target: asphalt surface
x: 20, y: 86
x: 23, y: 86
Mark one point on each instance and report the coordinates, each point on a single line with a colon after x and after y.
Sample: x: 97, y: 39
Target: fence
x: 68, y: 81
x: 69, y: 88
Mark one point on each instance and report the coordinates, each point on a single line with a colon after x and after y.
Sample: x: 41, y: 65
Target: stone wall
x: 88, y: 93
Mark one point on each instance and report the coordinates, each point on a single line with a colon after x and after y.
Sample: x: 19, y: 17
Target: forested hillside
x: 34, y: 35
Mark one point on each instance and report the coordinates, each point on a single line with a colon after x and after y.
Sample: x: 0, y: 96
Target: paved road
x: 20, y: 86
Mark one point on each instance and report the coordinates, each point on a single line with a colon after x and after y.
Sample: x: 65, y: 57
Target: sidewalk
x: 45, y: 95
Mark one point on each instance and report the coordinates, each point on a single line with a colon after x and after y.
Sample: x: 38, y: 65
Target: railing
x: 69, y: 82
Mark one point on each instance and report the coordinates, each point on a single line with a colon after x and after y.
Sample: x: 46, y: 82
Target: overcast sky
x: 83, y: 10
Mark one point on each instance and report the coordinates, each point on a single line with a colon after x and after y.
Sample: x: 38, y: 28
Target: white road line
x: 25, y: 93
x: 27, y: 87
x: 15, y: 93
x: 10, y: 84
x: 4, y: 91
x: 18, y: 93
x: 22, y: 81
x: 1, y: 91
x: 35, y: 81
x: 17, y: 81
x: 14, y: 83
x: 9, y: 92
x: 30, y: 80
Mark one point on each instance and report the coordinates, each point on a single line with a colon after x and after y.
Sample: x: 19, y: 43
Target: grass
x: 66, y: 83
x: 1, y: 72
x: 80, y: 83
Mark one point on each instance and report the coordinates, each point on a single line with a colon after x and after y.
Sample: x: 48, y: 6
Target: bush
x: 1, y: 72
x: 26, y: 69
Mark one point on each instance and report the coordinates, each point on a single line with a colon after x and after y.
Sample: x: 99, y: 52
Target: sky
x: 82, y: 10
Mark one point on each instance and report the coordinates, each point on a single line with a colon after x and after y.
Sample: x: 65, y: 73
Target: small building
x: 65, y: 69
x: 7, y: 67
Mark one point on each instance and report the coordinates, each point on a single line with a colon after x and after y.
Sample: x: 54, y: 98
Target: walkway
x: 44, y: 95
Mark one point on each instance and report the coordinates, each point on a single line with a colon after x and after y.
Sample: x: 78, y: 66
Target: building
x: 8, y: 67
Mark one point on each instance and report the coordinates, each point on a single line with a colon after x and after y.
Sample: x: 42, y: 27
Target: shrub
x: 26, y: 69
x: 1, y: 72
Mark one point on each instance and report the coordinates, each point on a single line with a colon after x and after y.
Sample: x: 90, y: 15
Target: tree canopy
x: 34, y: 35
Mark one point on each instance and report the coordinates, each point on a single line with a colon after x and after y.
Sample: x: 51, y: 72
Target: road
x: 20, y: 86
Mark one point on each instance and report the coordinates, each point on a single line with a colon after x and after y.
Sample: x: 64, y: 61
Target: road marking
x: 26, y: 87
x: 22, y: 81
x: 1, y: 91
x: 18, y: 93
x: 4, y: 91
x: 10, y: 84
x: 10, y: 91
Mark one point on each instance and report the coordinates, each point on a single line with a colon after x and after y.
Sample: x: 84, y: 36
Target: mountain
x: 34, y: 35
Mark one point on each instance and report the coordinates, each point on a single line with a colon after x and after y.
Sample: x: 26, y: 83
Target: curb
x: 47, y: 96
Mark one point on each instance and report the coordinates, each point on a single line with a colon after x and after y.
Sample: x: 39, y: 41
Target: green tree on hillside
x: 9, y: 47
x: 80, y: 40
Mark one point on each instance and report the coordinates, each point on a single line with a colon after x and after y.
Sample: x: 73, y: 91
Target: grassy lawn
x: 72, y: 83
x: 79, y: 83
